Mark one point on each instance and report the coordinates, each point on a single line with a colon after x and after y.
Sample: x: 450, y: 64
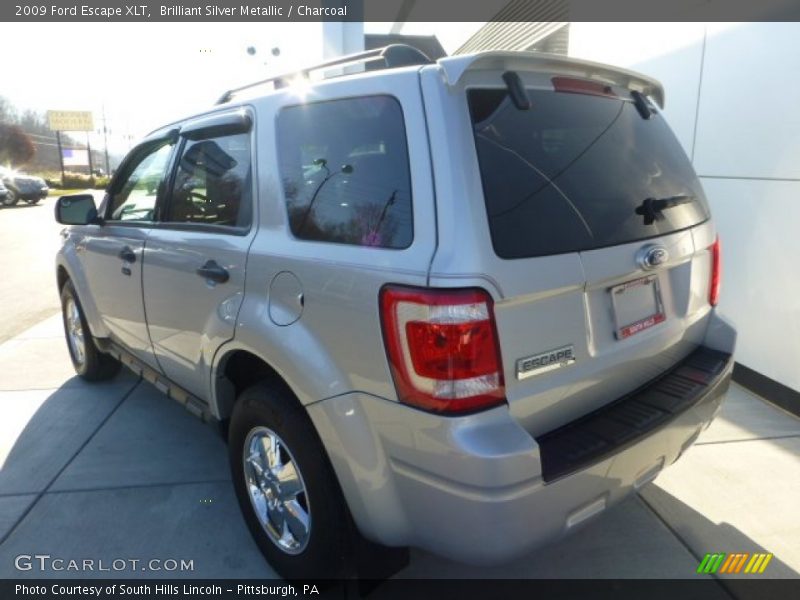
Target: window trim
x: 282, y: 191
x: 203, y: 227
x: 217, y: 125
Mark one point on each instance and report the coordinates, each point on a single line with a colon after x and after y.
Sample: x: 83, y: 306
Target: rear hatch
x: 594, y: 216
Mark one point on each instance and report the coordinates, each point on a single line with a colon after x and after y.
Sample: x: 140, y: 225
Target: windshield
x: 569, y: 174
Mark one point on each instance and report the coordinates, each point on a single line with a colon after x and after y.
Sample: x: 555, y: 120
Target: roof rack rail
x: 393, y: 56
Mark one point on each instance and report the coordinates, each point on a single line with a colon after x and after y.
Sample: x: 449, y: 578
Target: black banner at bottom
x: 704, y: 588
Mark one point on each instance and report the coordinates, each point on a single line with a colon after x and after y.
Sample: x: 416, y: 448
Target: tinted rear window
x: 568, y: 174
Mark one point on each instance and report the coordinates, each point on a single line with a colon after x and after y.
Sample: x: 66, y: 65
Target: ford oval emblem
x: 652, y: 256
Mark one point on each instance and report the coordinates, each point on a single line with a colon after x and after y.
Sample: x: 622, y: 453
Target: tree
x: 33, y: 122
x: 7, y: 111
x: 16, y: 146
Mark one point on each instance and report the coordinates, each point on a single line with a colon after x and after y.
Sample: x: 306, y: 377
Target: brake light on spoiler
x: 442, y: 348
x: 571, y: 85
x: 716, y: 273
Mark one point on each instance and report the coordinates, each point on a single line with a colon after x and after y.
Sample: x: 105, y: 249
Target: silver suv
x: 463, y: 306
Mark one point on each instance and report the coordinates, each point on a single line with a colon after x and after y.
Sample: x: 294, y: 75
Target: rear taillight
x: 442, y: 348
x: 716, y: 273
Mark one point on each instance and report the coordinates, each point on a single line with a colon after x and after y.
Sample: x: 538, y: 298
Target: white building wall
x: 732, y: 96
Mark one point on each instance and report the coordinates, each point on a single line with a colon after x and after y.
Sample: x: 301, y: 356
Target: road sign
x: 70, y: 120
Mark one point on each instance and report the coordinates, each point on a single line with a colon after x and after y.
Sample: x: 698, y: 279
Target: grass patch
x: 56, y: 193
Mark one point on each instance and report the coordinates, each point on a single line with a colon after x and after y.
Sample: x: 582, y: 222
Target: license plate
x: 637, y: 306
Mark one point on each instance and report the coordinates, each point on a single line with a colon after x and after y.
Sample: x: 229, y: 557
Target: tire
x: 89, y: 363
x: 11, y: 199
x: 269, y: 412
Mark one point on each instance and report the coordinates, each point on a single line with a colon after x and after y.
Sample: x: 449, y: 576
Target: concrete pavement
x: 117, y: 470
x: 29, y: 240
x: 28, y: 243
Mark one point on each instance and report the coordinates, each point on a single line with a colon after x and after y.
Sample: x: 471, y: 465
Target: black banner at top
x: 396, y: 10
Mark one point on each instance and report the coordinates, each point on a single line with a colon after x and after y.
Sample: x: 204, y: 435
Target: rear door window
x: 344, y: 169
x: 569, y: 174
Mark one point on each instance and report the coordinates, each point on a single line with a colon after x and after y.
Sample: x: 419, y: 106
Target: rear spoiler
x: 454, y: 68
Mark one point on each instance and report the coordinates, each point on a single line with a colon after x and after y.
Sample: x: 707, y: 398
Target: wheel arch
x: 68, y: 268
x: 235, y: 370
x: 61, y: 277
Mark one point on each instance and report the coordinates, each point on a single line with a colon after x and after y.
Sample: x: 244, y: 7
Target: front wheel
x: 11, y: 199
x: 286, y: 487
x: 89, y: 363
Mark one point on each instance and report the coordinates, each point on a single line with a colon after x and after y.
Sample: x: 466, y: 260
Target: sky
x: 144, y: 75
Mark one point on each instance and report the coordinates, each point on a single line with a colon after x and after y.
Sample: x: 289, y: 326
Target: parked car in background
x: 464, y: 306
x: 3, y: 192
x: 20, y: 186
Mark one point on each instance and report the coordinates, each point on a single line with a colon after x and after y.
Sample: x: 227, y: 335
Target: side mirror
x: 77, y: 209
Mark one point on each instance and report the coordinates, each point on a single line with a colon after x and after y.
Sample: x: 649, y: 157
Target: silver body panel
x: 115, y: 309
x: 188, y: 317
x: 310, y: 311
x: 471, y: 488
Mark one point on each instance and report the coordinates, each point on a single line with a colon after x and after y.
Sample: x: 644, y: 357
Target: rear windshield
x: 569, y: 174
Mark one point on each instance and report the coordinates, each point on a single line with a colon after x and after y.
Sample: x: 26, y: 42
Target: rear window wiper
x: 516, y: 90
x: 645, y: 109
x: 651, y: 209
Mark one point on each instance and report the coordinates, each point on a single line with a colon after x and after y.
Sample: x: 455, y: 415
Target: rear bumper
x: 699, y: 379
x: 481, y: 490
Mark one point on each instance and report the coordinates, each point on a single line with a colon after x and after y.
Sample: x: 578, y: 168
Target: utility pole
x: 60, y: 156
x: 105, y: 140
x: 89, y: 151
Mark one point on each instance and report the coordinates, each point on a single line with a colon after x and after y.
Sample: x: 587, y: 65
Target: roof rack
x: 393, y: 56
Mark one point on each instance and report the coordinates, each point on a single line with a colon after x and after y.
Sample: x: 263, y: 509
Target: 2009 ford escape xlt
x: 463, y: 306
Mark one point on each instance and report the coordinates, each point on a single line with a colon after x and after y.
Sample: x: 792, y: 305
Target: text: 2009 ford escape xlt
x: 463, y: 306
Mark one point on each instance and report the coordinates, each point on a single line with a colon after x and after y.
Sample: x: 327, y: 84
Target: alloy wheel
x: 276, y: 489
x: 75, y: 335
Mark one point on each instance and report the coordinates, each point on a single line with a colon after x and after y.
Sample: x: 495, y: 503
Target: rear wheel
x: 286, y: 487
x: 88, y: 361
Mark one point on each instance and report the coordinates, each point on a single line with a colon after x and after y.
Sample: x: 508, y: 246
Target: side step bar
x: 701, y: 377
x: 191, y: 403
